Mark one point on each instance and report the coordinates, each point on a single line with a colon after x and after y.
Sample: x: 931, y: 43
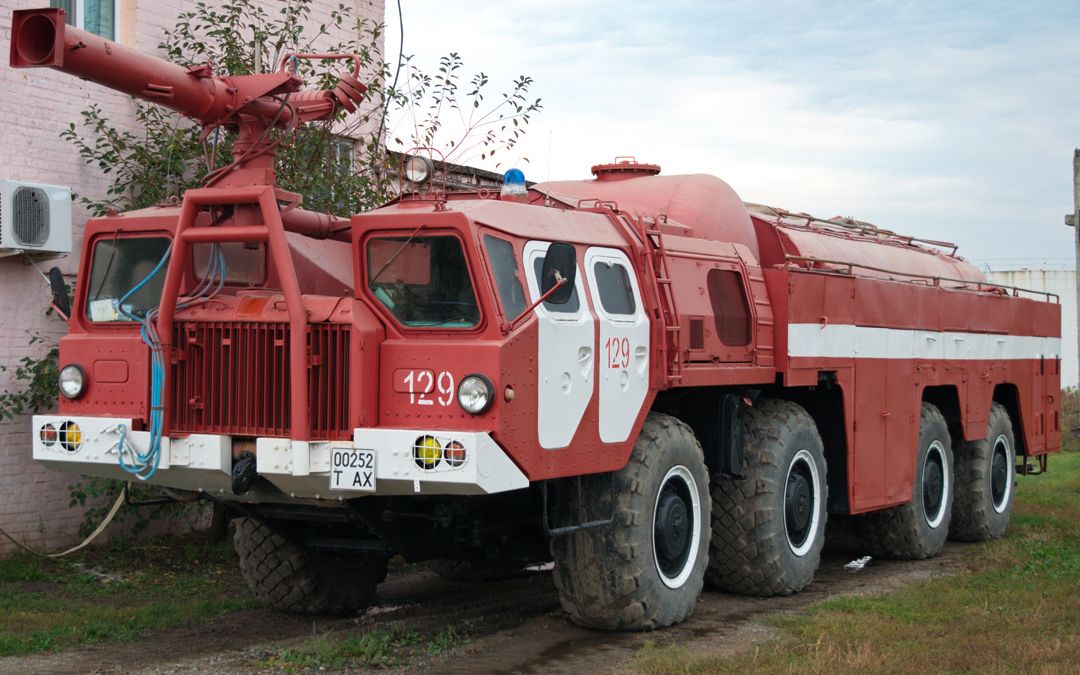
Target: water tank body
x: 704, y: 204
x: 710, y: 209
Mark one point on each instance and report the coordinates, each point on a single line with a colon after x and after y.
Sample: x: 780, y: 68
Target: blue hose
x: 143, y: 465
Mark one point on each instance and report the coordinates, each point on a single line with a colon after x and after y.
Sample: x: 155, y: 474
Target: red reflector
x: 48, y: 435
x: 454, y: 453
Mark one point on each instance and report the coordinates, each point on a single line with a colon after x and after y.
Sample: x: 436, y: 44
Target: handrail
x: 847, y: 225
x: 936, y: 280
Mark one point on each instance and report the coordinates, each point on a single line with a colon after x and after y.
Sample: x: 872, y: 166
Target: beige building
x: 35, y: 106
x: 1061, y: 282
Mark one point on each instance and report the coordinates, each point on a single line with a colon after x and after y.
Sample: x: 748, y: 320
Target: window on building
x: 94, y: 16
x: 343, y: 152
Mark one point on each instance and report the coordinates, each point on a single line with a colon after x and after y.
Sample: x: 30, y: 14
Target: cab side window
x: 504, y: 266
x: 616, y: 291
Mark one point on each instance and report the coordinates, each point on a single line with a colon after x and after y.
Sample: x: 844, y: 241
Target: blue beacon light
x: 513, y: 187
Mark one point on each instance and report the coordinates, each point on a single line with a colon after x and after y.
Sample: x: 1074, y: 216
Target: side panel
x: 871, y: 441
x: 565, y: 359
x: 899, y: 338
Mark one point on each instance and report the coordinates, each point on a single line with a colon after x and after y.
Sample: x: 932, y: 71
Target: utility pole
x: 1073, y: 221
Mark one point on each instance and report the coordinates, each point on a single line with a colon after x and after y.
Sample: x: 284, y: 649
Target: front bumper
x: 298, y: 469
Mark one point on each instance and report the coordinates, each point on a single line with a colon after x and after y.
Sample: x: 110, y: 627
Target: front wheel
x: 288, y: 577
x: 645, y: 570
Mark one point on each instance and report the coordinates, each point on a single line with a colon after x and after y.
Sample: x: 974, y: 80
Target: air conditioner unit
x: 34, y: 218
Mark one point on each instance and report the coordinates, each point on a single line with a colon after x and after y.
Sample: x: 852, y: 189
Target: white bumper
x: 301, y: 470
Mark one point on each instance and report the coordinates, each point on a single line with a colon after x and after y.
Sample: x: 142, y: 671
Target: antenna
x: 547, y: 195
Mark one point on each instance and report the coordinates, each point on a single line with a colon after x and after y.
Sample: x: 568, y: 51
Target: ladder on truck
x: 654, y: 255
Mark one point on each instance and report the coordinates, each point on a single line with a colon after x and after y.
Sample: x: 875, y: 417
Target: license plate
x: 352, y: 469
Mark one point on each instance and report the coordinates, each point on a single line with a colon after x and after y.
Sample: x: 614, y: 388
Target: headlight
x: 417, y: 169
x: 72, y: 381
x: 475, y: 394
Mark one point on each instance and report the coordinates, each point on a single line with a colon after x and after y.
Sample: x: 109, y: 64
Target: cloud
x: 946, y: 120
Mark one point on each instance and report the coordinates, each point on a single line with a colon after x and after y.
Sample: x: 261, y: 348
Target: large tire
x: 289, y: 578
x: 919, y: 528
x: 985, y: 473
x: 645, y: 570
x: 769, y: 527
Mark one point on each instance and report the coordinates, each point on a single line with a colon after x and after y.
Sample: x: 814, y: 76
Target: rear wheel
x: 919, y: 528
x: 290, y: 578
x: 645, y: 570
x: 769, y: 528
x: 985, y: 473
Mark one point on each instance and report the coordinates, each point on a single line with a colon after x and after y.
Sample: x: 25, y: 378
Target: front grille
x: 233, y: 378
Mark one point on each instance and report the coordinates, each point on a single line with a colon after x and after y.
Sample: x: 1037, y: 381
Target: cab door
x: 566, y: 356
x: 623, y: 345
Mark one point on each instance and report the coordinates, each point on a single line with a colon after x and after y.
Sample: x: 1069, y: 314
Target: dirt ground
x: 514, y: 625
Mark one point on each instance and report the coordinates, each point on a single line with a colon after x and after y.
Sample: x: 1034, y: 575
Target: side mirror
x: 559, y: 263
x: 59, y: 293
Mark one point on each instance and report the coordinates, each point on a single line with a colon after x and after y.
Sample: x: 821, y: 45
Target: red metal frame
x: 261, y: 201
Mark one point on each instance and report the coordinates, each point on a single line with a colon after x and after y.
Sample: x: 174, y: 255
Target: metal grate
x: 233, y: 378
x: 30, y: 216
x: 697, y: 333
x: 729, y: 307
x: 328, y: 380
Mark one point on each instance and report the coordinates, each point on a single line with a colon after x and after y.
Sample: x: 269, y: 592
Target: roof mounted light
x: 513, y: 187
x: 417, y: 169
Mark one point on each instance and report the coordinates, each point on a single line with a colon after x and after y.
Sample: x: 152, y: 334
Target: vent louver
x: 30, y: 216
x: 697, y: 334
x: 730, y: 308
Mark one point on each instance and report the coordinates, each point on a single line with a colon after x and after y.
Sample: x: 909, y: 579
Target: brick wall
x: 35, y: 106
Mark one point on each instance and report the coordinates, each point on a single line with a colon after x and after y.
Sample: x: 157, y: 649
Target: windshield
x: 423, y: 281
x: 119, y: 265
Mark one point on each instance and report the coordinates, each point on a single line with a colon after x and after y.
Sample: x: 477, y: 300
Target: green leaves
x: 166, y: 156
x: 35, y: 382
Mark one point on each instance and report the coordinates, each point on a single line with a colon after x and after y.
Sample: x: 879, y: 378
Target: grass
x: 114, y: 595
x: 382, y: 647
x: 1015, y: 607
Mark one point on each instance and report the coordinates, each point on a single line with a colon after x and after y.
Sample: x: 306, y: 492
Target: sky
x: 946, y: 120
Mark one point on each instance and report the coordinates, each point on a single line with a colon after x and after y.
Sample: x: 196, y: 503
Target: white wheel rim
x: 681, y: 473
x: 936, y: 448
x: 1001, y: 440
x: 804, y: 457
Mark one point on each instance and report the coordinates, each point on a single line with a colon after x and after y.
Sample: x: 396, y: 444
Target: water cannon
x: 252, y: 104
x: 242, y: 200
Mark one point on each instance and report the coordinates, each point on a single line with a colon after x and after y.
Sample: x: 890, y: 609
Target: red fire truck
x: 638, y: 375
